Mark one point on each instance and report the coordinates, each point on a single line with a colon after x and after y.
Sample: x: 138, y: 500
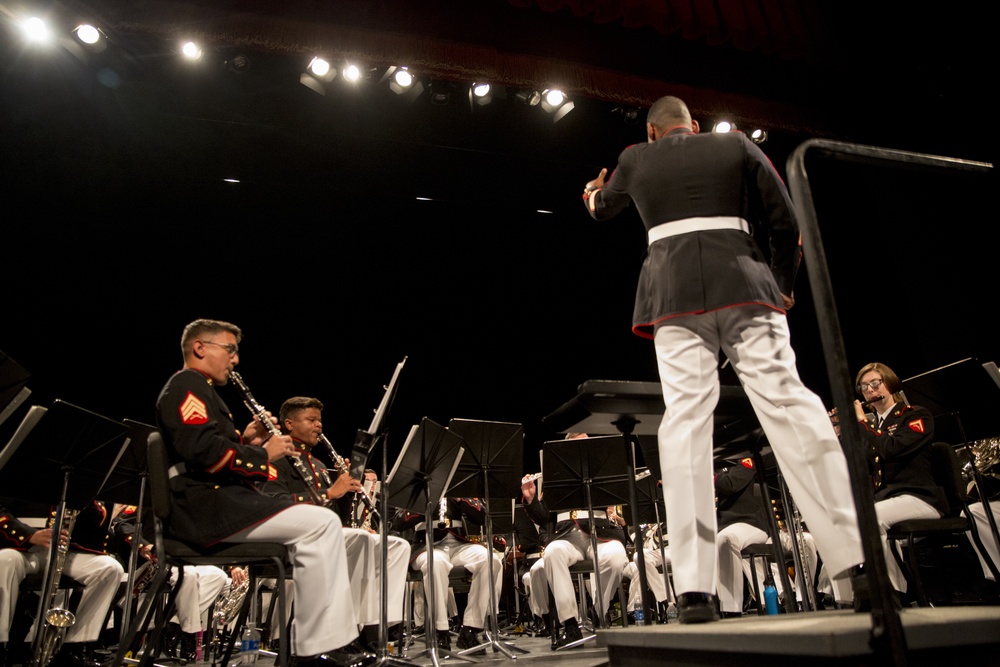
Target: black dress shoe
x: 444, y: 640
x: 571, y: 633
x: 342, y: 657
x: 697, y: 608
x: 469, y: 638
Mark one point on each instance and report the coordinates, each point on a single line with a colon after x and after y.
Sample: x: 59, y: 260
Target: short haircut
x: 295, y: 404
x: 668, y: 111
x: 199, y: 328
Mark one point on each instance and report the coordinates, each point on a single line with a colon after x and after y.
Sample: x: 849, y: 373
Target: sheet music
x: 992, y: 371
x: 384, y: 405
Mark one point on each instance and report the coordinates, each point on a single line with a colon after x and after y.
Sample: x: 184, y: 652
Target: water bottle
x: 250, y: 647
x: 671, y: 612
x: 198, y: 645
x: 770, y: 598
x: 640, y: 617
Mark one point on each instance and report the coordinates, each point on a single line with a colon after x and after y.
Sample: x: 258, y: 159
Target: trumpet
x: 344, y: 467
x: 260, y: 414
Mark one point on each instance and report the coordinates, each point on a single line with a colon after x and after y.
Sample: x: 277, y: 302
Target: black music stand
x: 419, y: 477
x: 363, y: 446
x: 127, y: 485
x: 13, y: 386
x: 491, y: 469
x: 963, y: 397
x: 585, y: 472
x: 63, y: 447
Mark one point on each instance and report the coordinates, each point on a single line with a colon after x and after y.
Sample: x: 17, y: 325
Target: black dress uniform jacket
x: 708, y: 175
x: 902, y: 447
x: 736, y: 501
x: 465, y: 520
x: 606, y: 529
x: 213, y: 471
x: 14, y: 533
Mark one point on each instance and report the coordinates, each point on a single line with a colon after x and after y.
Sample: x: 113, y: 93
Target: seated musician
x: 201, y: 586
x: 25, y: 551
x: 897, y: 438
x: 570, y: 543
x: 458, y: 541
x: 301, y: 418
x: 652, y: 535
x: 742, y: 521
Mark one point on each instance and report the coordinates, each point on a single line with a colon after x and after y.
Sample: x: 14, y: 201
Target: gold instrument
x: 345, y: 468
x: 260, y: 414
x: 229, y: 603
x: 56, y: 620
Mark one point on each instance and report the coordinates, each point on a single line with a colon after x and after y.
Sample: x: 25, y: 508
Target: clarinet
x: 341, y: 464
x: 260, y: 414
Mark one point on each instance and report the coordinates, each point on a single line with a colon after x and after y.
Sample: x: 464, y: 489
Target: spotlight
x: 528, y: 96
x: 629, y: 115
x: 724, y: 126
x: 481, y: 94
x: 555, y: 102
x: 403, y: 78
x: 400, y: 80
x: 352, y: 73
x: 758, y: 136
x: 87, y: 34
x: 191, y: 51
x: 319, y: 67
x: 35, y: 30
x: 441, y: 92
x: 238, y: 63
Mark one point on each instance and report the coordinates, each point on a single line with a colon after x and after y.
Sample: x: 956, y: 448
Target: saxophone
x: 230, y: 602
x: 56, y: 619
x: 259, y: 413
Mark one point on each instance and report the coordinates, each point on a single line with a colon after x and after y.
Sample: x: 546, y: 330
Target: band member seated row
x: 458, y: 541
x: 213, y: 472
x: 652, y: 535
x: 24, y: 551
x: 302, y: 418
x: 570, y: 543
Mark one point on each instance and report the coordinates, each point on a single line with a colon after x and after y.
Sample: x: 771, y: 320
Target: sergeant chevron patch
x: 193, y: 410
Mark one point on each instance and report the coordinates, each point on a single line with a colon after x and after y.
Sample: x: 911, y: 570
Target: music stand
x: 363, y: 446
x: 127, y: 485
x: 419, y: 477
x: 966, y: 391
x: 13, y: 389
x: 585, y: 472
x: 492, y: 468
x: 63, y: 447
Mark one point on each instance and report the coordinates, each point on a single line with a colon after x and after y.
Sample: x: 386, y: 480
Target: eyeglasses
x: 233, y: 350
x: 873, y: 385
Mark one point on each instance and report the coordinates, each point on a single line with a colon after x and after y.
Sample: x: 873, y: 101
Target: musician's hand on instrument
x: 859, y: 410
x: 41, y: 538
x: 146, y: 551
x: 256, y: 433
x: 278, y: 446
x: 343, y: 485
x: 787, y: 301
x: 238, y: 575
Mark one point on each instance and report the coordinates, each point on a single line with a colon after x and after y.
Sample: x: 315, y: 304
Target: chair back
x: 948, y: 475
x: 159, y: 481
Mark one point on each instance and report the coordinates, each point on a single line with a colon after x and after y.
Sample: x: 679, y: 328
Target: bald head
x: 667, y: 113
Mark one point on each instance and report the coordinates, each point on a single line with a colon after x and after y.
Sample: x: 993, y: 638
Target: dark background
x: 500, y: 292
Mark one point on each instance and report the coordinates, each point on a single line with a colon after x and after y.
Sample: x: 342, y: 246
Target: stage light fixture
x: 724, y: 126
x: 440, y: 92
x: 528, y: 96
x: 320, y: 67
x: 352, y: 73
x: 238, y: 63
x: 87, y: 34
x: 36, y: 31
x: 191, y: 51
x: 481, y: 89
x: 555, y: 102
x: 758, y: 136
x: 629, y: 115
x: 481, y: 94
